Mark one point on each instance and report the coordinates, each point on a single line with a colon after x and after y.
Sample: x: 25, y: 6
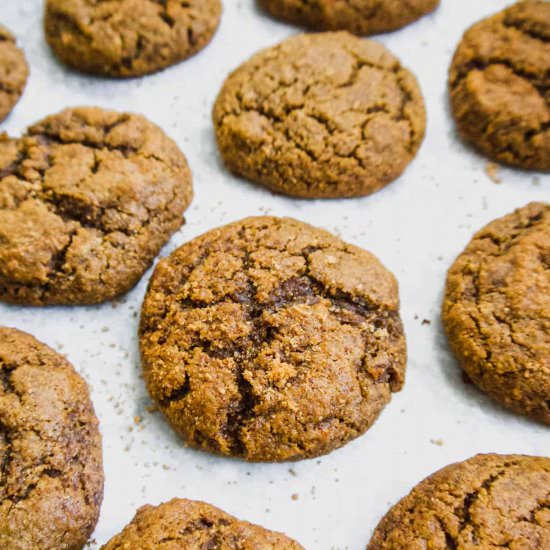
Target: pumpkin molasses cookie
x: 50, y: 449
x: 320, y: 115
x: 270, y: 340
x: 499, y: 83
x: 496, y: 310
x: 14, y: 72
x: 87, y: 199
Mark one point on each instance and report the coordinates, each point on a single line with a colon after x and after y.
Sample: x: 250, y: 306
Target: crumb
x: 438, y: 442
x: 137, y: 419
x: 426, y: 322
x: 151, y: 409
x: 536, y: 181
x: 292, y: 472
x: 492, y: 170
x: 294, y: 496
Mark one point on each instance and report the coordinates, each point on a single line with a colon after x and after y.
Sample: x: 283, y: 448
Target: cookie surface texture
x: 14, y: 72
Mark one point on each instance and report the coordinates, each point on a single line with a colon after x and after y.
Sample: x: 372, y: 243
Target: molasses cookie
x: 496, y: 310
x: 499, y: 83
x: 50, y: 449
x: 357, y: 16
x: 271, y: 340
x: 14, y: 72
x: 87, y: 199
x: 125, y: 38
x: 488, y: 501
x: 182, y: 523
x: 320, y: 115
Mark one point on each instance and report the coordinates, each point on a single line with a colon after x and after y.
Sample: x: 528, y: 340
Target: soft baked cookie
x: 50, y: 449
x: 87, y: 199
x: 182, y: 523
x: 270, y: 340
x: 499, y: 83
x: 320, y: 115
x: 14, y: 72
x: 357, y: 16
x: 125, y: 38
x: 489, y: 501
x: 496, y: 310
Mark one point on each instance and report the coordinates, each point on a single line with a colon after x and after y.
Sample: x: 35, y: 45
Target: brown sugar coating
x: 271, y: 340
x: 487, y: 502
x: 496, y: 310
x: 87, y: 199
x: 499, y: 83
x: 320, y: 115
x: 361, y: 17
x: 51, y: 483
x: 125, y: 38
x: 188, y: 524
x: 14, y: 72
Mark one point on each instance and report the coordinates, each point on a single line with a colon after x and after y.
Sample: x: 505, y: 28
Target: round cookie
x: 14, y: 72
x: 499, y: 84
x: 182, y: 523
x: 361, y: 17
x: 126, y: 38
x: 320, y: 115
x: 50, y: 449
x: 271, y: 340
x: 488, y: 501
x: 87, y: 199
x: 496, y: 310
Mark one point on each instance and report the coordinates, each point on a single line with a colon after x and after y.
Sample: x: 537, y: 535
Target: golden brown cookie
x: 125, y: 38
x: 270, y: 340
x: 499, y: 83
x: 487, y: 502
x: 14, y: 72
x: 320, y: 115
x: 185, y: 524
x: 361, y: 17
x: 87, y: 199
x: 496, y: 310
x: 50, y: 449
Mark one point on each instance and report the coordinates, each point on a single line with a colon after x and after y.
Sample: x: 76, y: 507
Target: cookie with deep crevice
x: 87, y: 199
x: 499, y: 84
x: 320, y: 115
x: 14, y: 72
x: 50, y: 449
x: 127, y: 38
x: 271, y: 340
x: 496, y: 310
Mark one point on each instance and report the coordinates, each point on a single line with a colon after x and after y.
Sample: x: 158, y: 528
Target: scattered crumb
x: 292, y: 472
x: 294, y: 496
x: 137, y: 419
x: 151, y: 409
x: 536, y: 181
x: 438, y: 442
x: 492, y: 170
x: 426, y: 322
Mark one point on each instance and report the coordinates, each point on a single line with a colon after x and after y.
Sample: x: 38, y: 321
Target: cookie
x: 14, y: 72
x: 271, y: 340
x: 488, y: 501
x: 182, y: 523
x: 126, y: 38
x: 50, y: 449
x: 499, y: 84
x: 87, y: 199
x: 496, y: 310
x: 361, y: 17
x: 320, y: 115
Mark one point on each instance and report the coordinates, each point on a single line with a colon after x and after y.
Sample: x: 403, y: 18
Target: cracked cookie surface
x: 496, y: 310
x: 271, y: 340
x: 362, y: 17
x: 489, y: 501
x: 87, y: 199
x: 499, y: 83
x: 182, y: 523
x: 126, y: 38
x: 51, y: 470
x: 320, y: 115
x: 14, y: 72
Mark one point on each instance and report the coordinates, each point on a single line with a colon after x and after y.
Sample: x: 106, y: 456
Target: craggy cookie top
x: 13, y: 72
x: 87, y: 199
x: 124, y: 38
x: 320, y: 115
x: 182, y: 523
x: 496, y: 310
x: 499, y: 82
x: 489, y: 501
x: 271, y: 340
x: 51, y: 483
